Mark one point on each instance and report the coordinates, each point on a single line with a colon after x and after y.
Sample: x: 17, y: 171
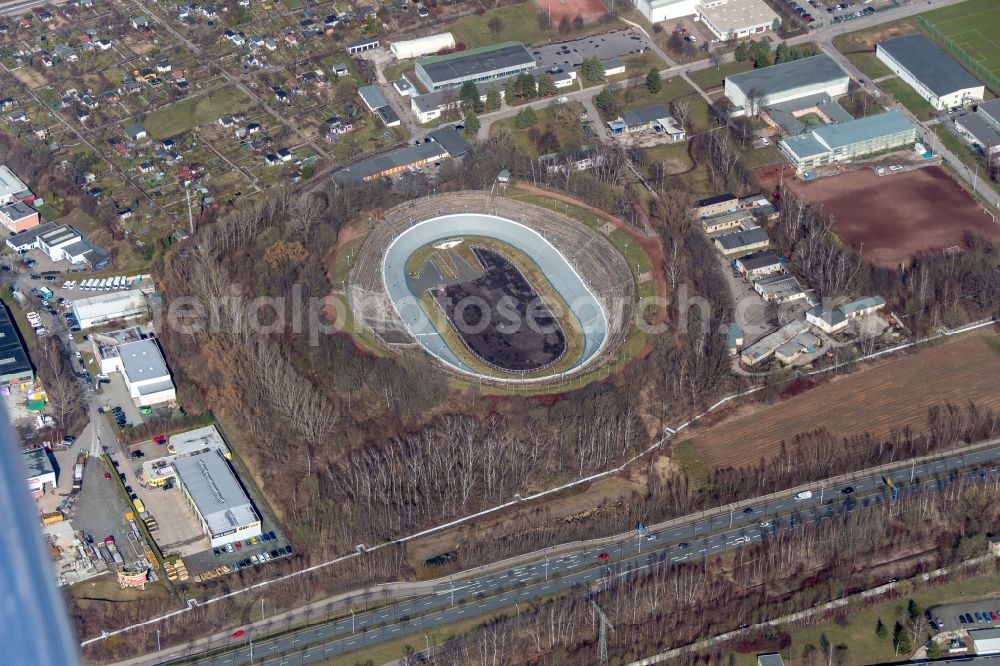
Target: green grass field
x: 869, y: 64
x: 975, y: 26
x: 195, y: 111
x: 568, y: 137
x: 712, y: 77
x: 908, y: 97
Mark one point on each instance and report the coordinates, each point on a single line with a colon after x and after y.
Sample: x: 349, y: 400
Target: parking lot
x: 100, y: 508
x: 115, y: 394
x: 178, y: 528
x: 566, y: 55
x: 956, y: 617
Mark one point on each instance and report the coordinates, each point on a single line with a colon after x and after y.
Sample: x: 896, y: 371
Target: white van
x: 804, y: 495
x: 88, y: 285
x: 117, y: 283
x: 105, y: 284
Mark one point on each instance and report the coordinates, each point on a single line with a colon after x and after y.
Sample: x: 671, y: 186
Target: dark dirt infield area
x: 501, y: 318
x: 897, y: 215
x: 588, y: 10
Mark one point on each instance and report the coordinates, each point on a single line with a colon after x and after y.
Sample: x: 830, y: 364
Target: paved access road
x: 699, y: 537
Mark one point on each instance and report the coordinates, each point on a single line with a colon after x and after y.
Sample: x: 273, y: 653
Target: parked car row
x: 71, y: 321
x: 853, y: 15
x: 987, y: 617
x: 120, y: 418
x: 262, y: 558
x: 801, y: 11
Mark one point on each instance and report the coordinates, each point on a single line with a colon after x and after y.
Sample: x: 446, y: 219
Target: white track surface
x: 553, y: 264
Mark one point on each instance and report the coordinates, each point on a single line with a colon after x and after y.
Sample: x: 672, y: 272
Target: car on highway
x: 847, y: 490
x: 748, y: 510
x: 603, y: 557
x: 651, y: 537
x: 764, y: 523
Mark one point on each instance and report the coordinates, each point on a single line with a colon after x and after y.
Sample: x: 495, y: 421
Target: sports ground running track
x: 597, y: 263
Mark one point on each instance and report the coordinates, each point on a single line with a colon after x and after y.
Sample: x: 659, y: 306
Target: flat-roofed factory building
x: 209, y: 484
x: 760, y: 88
x: 928, y: 69
x: 488, y: 63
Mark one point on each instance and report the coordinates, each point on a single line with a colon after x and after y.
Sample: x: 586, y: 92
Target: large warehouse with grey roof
x: 786, y: 82
x: 929, y: 70
x: 488, y: 63
x: 211, y: 487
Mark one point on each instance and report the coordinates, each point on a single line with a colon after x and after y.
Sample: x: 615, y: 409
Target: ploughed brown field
x: 896, y: 215
x: 588, y: 10
x: 893, y: 394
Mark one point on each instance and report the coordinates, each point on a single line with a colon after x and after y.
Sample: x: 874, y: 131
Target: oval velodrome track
x: 580, y: 263
x: 553, y: 264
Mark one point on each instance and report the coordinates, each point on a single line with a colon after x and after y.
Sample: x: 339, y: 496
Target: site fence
x: 960, y: 54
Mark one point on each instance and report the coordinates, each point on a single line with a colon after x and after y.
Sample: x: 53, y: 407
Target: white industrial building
x: 198, y: 441
x: 159, y: 471
x: 211, y: 487
x: 665, y: 10
x: 928, y: 69
x: 983, y: 126
x: 779, y: 288
x: 416, y: 48
x: 733, y: 19
x: 788, y: 81
x: 39, y: 469
x: 146, y: 374
x: 831, y: 319
x: 845, y: 142
x: 139, y: 359
x: 986, y: 641
x: 12, y: 188
x: 114, y: 306
x: 486, y: 63
x: 60, y: 242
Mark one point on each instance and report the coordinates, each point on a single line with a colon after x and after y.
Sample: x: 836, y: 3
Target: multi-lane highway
x: 463, y: 598
x: 24, y: 6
